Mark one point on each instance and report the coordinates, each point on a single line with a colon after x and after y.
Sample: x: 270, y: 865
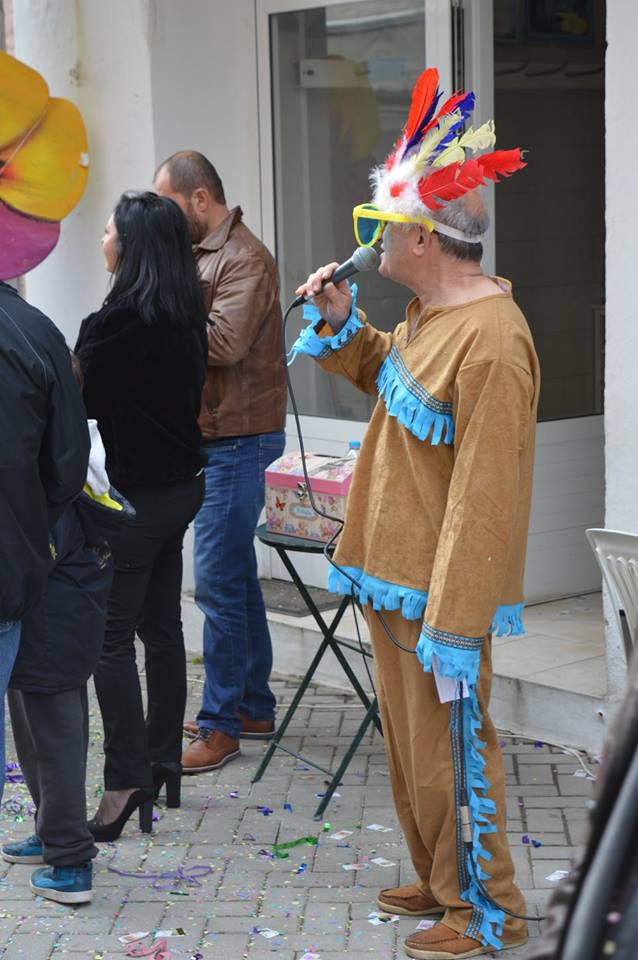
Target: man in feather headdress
x: 436, y: 524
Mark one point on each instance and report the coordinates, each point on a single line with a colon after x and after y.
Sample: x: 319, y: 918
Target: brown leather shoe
x: 210, y: 750
x: 250, y: 729
x: 256, y: 729
x: 191, y: 729
x: 440, y: 942
x: 409, y: 902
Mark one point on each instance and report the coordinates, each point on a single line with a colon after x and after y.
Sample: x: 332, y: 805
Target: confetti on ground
x: 382, y: 862
x: 376, y: 918
x: 425, y: 924
x: 354, y: 866
x: 132, y: 937
x: 379, y: 828
x: 557, y: 875
x: 341, y: 835
x: 267, y: 933
x: 280, y: 848
x: 531, y: 841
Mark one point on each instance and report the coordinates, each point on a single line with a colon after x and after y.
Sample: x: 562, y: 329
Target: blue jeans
x: 9, y: 643
x: 237, y: 645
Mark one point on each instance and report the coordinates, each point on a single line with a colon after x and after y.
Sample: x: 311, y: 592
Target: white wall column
x: 96, y: 54
x: 621, y: 346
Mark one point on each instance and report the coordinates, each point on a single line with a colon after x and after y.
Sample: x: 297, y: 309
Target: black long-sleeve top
x: 143, y: 384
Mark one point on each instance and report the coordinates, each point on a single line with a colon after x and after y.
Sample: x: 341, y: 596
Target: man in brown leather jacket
x: 242, y: 420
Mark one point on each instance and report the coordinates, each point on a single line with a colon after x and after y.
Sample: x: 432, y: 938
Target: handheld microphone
x: 363, y: 258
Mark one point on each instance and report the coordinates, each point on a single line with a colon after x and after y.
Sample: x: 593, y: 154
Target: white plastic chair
x: 617, y: 556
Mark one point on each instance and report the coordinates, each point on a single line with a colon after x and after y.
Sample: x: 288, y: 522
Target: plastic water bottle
x: 353, y: 449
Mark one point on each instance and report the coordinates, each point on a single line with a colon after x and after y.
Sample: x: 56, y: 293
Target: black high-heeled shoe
x: 171, y: 775
x: 138, y: 800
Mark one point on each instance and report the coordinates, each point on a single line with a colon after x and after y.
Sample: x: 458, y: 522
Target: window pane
x: 342, y: 79
x: 549, y: 96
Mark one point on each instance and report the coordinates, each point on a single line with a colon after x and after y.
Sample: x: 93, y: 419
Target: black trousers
x: 51, y: 733
x: 146, y: 598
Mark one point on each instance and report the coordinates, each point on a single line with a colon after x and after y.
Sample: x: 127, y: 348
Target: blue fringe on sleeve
x: 459, y: 657
x: 508, y: 621
x: 412, y: 405
x: 382, y: 594
x: 312, y: 345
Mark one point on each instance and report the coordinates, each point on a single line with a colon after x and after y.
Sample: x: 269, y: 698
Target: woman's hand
x: 334, y: 302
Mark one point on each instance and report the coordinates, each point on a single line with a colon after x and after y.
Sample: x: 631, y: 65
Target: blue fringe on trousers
x: 423, y: 758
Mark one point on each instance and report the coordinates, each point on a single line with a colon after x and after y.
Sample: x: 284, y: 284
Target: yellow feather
x: 434, y: 136
x: 452, y: 154
x: 482, y: 139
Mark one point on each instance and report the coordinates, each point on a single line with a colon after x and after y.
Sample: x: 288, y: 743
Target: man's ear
x: 422, y: 241
x: 200, y: 200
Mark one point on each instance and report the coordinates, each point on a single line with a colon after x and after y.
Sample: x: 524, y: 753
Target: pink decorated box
x: 288, y: 508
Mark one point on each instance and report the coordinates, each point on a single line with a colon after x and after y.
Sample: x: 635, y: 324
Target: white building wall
x: 204, y: 76
x: 96, y: 54
x: 621, y: 390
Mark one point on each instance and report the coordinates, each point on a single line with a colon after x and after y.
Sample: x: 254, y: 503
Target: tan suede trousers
x: 416, y: 728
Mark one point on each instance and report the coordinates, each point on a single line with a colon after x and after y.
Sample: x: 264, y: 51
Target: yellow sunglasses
x: 370, y: 222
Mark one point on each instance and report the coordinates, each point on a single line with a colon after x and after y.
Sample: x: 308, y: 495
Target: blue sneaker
x: 64, y: 884
x: 24, y: 851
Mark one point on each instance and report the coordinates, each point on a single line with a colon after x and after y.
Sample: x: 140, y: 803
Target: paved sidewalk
x: 221, y: 841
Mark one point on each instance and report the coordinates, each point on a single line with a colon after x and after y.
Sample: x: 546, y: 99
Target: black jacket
x: 143, y: 385
x: 61, y: 637
x: 44, y: 447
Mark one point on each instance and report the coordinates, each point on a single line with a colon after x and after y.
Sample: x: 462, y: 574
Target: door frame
x: 577, y: 443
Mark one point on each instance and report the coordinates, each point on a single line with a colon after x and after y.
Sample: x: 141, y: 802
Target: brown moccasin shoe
x: 409, y: 902
x: 210, y: 750
x: 440, y: 942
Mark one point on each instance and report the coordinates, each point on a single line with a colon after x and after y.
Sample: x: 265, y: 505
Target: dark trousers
x: 146, y: 598
x: 51, y: 733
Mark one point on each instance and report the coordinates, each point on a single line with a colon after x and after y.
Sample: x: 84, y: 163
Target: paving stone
x: 307, y: 897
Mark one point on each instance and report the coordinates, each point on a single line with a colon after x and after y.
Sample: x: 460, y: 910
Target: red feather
x: 450, y: 183
x: 501, y: 163
x: 422, y: 97
x: 448, y: 107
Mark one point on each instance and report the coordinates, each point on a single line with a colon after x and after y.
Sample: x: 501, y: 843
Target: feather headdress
x: 433, y: 161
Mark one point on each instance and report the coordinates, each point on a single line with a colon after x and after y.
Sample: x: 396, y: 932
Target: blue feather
x: 417, y: 136
x: 465, y: 107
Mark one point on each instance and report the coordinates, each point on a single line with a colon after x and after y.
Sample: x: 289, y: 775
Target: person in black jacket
x: 44, y: 451
x: 143, y: 357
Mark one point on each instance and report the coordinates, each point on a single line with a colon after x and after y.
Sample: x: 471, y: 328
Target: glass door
x: 342, y: 76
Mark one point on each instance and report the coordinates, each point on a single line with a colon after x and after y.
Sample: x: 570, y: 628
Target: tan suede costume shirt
x: 440, y: 498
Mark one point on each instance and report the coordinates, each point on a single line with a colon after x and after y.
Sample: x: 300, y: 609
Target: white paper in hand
x: 446, y: 687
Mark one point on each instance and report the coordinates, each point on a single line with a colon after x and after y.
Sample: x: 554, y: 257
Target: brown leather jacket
x: 245, y: 389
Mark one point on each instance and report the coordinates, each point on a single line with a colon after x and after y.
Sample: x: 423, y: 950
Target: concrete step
x: 539, y: 709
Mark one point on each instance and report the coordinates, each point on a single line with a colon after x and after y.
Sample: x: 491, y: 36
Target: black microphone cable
x: 329, y: 547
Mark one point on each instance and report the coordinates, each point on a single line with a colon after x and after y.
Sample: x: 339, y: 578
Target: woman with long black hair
x: 143, y: 356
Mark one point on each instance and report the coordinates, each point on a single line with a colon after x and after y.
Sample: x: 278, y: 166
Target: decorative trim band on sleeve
x: 312, y: 345
x: 508, y: 621
x: 382, y: 594
x: 458, y: 656
x: 412, y: 405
